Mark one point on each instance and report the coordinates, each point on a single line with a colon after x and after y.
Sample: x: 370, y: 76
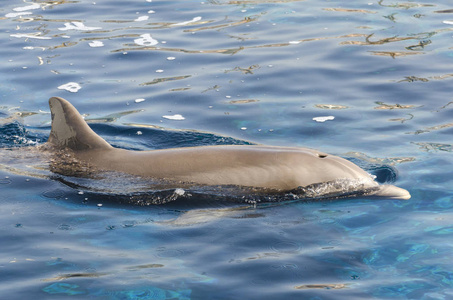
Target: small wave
x: 15, y: 134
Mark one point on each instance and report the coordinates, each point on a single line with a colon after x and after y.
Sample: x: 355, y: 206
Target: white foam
x: 323, y: 119
x: 141, y: 18
x: 196, y: 19
x: 180, y: 191
x: 72, y: 87
x: 176, y: 117
x: 18, y: 14
x: 96, y: 44
x: 28, y: 7
x: 146, y: 40
x: 77, y: 26
x: 30, y: 36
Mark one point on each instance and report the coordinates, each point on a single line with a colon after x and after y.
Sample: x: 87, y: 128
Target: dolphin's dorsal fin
x: 69, y: 129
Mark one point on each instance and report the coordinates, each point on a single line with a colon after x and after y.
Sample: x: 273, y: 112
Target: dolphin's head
x: 348, y: 175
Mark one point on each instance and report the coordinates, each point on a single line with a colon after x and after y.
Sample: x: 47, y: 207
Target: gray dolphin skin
x: 269, y: 168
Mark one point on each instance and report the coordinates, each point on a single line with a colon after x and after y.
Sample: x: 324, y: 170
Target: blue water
x: 237, y: 72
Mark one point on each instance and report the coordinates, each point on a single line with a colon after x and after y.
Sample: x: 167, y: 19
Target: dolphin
x: 268, y: 169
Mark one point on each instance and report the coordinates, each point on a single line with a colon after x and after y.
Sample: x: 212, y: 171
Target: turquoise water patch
x: 147, y: 293
x: 63, y: 288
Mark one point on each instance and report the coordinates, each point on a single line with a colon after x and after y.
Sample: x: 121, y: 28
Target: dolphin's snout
x: 391, y: 192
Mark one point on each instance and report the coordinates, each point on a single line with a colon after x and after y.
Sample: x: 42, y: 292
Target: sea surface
x: 370, y: 81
